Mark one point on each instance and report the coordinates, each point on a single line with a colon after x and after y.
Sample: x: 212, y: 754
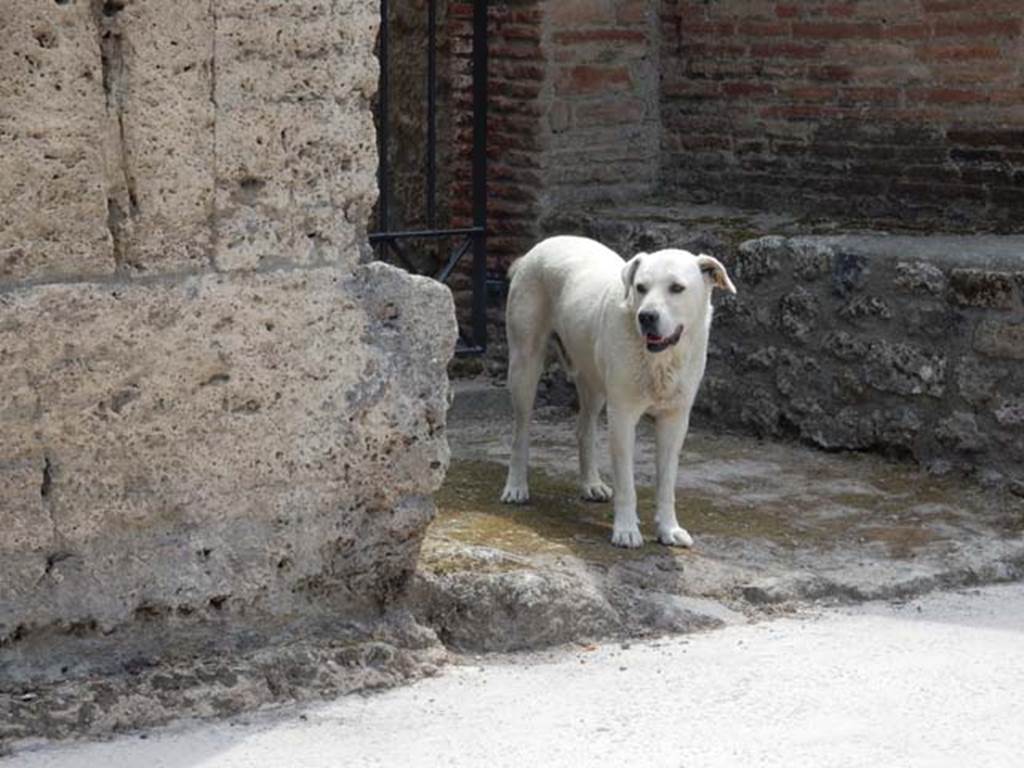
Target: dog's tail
x: 514, y: 267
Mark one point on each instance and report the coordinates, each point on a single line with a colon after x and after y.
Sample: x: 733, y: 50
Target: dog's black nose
x: 648, y: 320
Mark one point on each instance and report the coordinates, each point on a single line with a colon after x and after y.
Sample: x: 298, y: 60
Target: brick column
x: 573, y: 118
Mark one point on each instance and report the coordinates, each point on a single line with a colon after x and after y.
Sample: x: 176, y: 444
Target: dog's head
x: 669, y: 292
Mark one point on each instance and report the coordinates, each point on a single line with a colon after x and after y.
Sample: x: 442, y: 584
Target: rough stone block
x: 977, y: 381
x: 960, y: 432
x: 849, y: 272
x: 798, y: 314
x: 981, y: 288
x: 758, y: 260
x: 1010, y: 412
x: 920, y: 277
x: 295, y: 137
x: 811, y: 260
x: 760, y: 412
x: 866, y: 307
x: 160, y: 141
x: 255, y: 440
x: 845, y: 346
x: 905, y: 369
x: 999, y: 339
x: 53, y: 203
x: 795, y: 373
x: 937, y: 322
x: 844, y: 430
x: 897, y: 430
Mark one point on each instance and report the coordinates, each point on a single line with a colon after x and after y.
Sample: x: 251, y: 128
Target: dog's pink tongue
x: 655, y: 339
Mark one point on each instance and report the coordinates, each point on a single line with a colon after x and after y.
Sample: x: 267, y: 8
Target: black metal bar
x: 456, y: 256
x: 432, y: 113
x: 382, y: 122
x: 479, y: 310
x: 472, y: 339
x: 423, y: 233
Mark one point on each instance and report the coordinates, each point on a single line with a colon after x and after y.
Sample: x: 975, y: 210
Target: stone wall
x: 212, y: 405
x: 905, y: 109
x: 912, y: 346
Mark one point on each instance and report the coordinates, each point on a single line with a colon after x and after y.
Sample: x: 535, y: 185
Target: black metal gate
x: 392, y: 244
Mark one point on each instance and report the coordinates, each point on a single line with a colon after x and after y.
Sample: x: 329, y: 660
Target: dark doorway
x: 421, y: 91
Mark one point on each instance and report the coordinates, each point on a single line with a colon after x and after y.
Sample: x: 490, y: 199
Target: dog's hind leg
x: 592, y: 488
x: 528, y: 328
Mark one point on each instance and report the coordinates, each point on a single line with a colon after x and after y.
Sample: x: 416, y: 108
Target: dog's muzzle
x: 661, y: 343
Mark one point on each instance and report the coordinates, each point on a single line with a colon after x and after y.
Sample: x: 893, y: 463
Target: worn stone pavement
x: 779, y: 530
x: 776, y: 525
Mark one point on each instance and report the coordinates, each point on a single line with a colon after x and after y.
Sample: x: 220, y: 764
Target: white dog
x: 631, y: 334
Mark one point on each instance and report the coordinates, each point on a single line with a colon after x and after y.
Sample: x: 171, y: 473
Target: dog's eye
x: 677, y: 288
x: 641, y: 288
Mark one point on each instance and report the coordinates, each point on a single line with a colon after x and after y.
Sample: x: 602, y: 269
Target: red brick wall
x: 573, y: 111
x: 912, y: 109
x: 602, y: 113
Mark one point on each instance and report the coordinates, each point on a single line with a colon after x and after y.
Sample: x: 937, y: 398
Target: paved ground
x: 775, y: 525
x: 934, y: 682
x: 780, y: 530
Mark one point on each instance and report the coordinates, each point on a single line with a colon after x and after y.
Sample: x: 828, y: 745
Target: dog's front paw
x: 675, y: 537
x: 627, y: 537
x: 596, y: 491
x: 515, y: 494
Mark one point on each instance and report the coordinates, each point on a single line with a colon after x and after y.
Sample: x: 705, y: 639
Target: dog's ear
x: 629, y: 272
x: 713, y: 270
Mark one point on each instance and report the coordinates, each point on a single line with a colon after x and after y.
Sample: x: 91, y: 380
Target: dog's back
x: 565, y: 263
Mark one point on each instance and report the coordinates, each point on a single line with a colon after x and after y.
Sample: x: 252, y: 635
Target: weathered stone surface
x: 849, y: 272
x: 178, y: 442
x: 795, y: 373
x: 898, y: 429
x: 798, y: 314
x: 158, y: 63
x: 920, y: 277
x: 294, y: 132
x: 905, y: 369
x: 243, y: 441
x: 960, y: 432
x: 938, y: 323
x: 976, y: 381
x: 999, y: 339
x: 981, y: 288
x: 811, y: 259
x: 167, y: 137
x: 1010, y: 413
x: 53, y: 204
x: 864, y: 307
x: 757, y: 260
x: 844, y: 346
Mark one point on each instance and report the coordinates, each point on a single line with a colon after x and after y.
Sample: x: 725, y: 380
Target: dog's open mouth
x: 661, y: 343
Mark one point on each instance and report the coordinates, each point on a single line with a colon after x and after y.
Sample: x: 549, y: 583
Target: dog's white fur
x: 585, y: 293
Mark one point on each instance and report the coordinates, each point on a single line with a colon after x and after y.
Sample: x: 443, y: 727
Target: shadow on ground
x: 776, y: 525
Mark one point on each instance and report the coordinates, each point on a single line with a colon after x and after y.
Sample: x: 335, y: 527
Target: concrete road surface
x: 935, y: 682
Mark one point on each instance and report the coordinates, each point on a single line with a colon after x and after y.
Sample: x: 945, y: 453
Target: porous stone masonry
x: 212, y: 408
x: 912, y: 346
x: 906, y: 109
x: 899, y: 344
